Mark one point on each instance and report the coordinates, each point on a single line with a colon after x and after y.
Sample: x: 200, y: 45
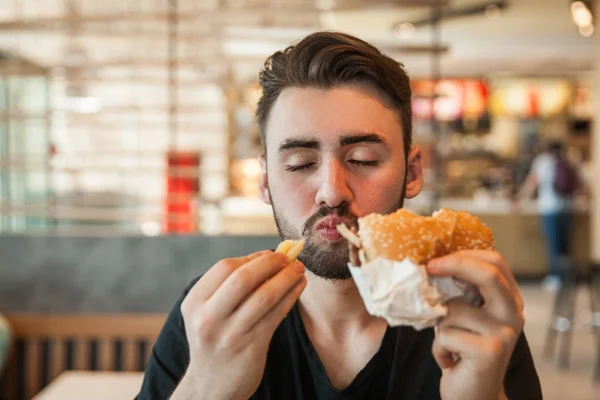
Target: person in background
x: 555, y: 180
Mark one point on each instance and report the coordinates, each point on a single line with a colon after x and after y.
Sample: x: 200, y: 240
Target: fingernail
x: 299, y: 266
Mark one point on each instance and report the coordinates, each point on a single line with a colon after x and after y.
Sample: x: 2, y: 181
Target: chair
x: 46, y: 345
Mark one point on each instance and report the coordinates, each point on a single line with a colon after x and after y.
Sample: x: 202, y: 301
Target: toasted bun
x: 403, y: 234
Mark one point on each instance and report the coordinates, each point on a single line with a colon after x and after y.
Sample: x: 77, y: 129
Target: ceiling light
x: 328, y: 19
x: 493, y: 11
x: 83, y: 105
x: 78, y: 101
x: 586, y: 31
x: 404, y: 31
x: 581, y: 14
x: 325, y: 5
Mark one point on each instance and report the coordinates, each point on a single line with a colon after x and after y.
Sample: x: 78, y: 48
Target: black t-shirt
x: 402, y: 368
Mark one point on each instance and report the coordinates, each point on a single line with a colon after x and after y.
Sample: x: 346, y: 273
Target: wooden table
x: 77, y: 385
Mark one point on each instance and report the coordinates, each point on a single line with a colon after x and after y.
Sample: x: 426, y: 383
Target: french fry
x: 295, y: 250
x: 291, y: 248
x: 284, y: 246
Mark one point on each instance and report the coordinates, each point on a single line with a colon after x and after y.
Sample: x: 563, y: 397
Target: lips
x: 327, y: 227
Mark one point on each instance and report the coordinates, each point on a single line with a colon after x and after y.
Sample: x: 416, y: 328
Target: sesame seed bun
x: 403, y: 234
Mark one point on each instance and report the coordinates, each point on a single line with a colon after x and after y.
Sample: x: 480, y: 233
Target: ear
x: 263, y: 182
x: 414, y: 173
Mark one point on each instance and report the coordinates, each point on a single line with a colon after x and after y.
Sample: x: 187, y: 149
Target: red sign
x: 182, y: 192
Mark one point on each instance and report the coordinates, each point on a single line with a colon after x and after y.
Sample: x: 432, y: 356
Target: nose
x: 333, y: 187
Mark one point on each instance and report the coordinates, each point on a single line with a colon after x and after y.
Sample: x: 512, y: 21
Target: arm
x: 529, y: 186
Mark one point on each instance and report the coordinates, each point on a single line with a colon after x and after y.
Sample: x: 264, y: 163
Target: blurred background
x: 128, y: 162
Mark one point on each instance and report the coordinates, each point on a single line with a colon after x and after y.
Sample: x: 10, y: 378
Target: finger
x: 215, y: 276
x: 443, y: 357
x: 267, y: 296
x: 495, y: 258
x: 243, y: 281
x: 270, y: 322
x: 451, y: 342
x: 469, y: 318
x: 486, y: 277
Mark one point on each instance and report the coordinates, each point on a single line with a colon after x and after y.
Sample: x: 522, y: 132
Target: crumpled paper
x: 404, y: 294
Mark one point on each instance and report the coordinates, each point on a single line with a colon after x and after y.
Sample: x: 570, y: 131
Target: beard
x: 327, y: 260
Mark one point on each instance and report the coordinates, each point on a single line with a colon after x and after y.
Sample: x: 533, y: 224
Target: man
x: 553, y: 205
x: 335, y: 119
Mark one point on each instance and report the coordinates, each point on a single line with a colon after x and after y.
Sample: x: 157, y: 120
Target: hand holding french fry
x: 230, y: 316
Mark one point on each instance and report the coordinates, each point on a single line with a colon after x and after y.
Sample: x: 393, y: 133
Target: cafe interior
x: 129, y: 163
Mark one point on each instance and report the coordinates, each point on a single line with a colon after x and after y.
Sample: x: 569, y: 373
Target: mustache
x: 342, y: 210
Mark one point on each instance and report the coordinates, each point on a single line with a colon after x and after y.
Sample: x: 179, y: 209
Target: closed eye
x: 292, y: 168
x: 364, y: 163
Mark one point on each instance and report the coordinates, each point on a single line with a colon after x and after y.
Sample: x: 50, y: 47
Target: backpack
x: 565, y: 178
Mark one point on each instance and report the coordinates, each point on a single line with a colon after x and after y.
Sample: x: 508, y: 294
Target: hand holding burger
x: 474, y: 341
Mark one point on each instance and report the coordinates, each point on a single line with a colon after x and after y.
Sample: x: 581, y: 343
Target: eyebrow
x: 310, y: 143
x: 365, y: 138
x: 299, y: 143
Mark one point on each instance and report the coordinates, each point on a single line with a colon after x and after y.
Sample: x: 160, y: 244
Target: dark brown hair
x: 325, y: 60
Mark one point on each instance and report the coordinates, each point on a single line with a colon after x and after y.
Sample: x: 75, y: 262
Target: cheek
x: 292, y: 197
x: 379, y: 194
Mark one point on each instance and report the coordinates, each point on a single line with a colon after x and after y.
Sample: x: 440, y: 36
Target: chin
x: 328, y: 260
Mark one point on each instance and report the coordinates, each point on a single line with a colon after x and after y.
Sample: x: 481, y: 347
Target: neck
x: 334, y: 306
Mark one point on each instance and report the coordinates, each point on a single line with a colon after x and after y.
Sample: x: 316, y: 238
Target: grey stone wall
x: 128, y: 274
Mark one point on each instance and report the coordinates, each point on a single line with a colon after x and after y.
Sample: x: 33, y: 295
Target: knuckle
x: 227, y: 265
x: 243, y: 278
x: 266, y: 298
x: 496, y: 258
x: 460, y: 258
x: 494, y: 349
x: 520, y: 322
x: 492, y: 276
x: 185, y: 307
x: 507, y: 334
x: 520, y: 303
x: 203, y: 325
x: 230, y: 342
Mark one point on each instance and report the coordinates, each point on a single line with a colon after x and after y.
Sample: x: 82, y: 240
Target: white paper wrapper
x: 404, y: 294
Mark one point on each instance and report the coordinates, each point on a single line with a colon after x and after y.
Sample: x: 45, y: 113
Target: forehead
x: 327, y: 114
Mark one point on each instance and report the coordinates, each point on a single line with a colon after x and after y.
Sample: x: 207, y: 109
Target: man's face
x: 333, y: 156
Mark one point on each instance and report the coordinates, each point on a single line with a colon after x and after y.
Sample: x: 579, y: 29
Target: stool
x: 563, y: 315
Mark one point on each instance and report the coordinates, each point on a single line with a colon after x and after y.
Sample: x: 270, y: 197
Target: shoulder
x: 170, y: 355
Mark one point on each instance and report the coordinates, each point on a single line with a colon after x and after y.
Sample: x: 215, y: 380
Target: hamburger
x: 404, y: 235
x: 388, y: 254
